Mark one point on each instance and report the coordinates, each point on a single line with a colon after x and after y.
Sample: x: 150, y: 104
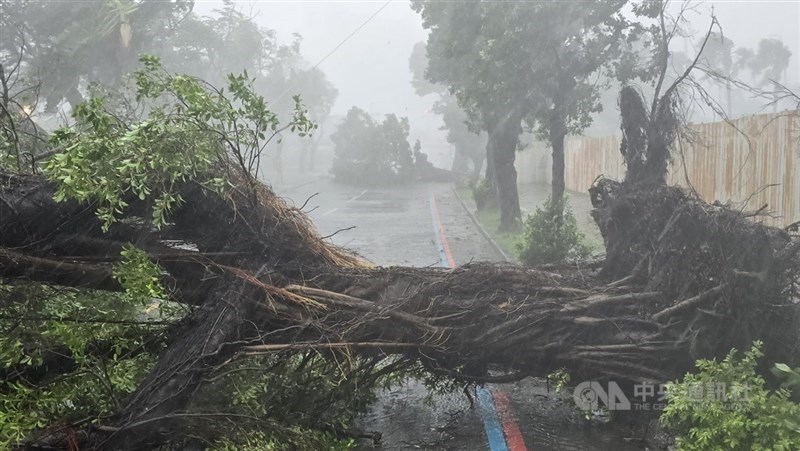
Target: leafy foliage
x: 559, y: 379
x: 747, y: 417
x: 368, y: 152
x: 190, y: 126
x: 550, y: 236
x: 63, y: 45
x: 300, y: 439
x: 537, y: 62
x: 96, y: 347
x: 99, y: 341
x: 790, y: 378
x: 73, y: 355
x: 468, y: 144
x: 318, y: 392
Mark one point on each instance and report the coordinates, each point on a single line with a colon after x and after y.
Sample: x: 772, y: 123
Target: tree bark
x: 460, y: 163
x: 558, y: 132
x: 477, y: 165
x: 504, y: 137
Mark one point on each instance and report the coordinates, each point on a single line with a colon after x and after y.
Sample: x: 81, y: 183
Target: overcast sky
x: 370, y: 70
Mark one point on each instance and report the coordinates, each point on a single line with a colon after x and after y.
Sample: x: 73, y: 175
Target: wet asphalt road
x: 394, y: 226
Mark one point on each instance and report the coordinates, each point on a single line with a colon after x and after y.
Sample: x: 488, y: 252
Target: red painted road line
x: 514, y: 438
x: 450, y: 260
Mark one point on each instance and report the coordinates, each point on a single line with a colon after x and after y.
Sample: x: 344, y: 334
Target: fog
x: 357, y: 225
x: 370, y: 68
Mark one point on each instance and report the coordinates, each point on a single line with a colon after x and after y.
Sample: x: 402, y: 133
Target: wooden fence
x: 750, y: 162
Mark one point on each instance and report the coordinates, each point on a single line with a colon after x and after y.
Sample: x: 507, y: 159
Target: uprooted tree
x: 264, y: 293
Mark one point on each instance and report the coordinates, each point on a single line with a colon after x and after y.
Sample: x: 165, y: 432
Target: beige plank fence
x: 750, y: 162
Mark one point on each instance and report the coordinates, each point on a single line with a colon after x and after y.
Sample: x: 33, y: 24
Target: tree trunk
x: 477, y: 165
x: 558, y: 132
x: 487, y: 199
x: 460, y: 162
x: 504, y: 136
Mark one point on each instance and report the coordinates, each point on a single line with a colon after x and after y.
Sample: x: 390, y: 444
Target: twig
x: 336, y: 232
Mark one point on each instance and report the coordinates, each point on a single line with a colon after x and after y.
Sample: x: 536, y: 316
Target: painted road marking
x: 445, y: 256
x: 359, y: 195
x: 348, y: 201
x: 510, y: 427
x: 495, y: 413
x: 491, y: 422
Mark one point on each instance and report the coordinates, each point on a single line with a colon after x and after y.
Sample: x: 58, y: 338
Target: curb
x: 496, y: 247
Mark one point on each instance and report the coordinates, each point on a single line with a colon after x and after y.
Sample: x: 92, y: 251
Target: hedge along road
x: 425, y: 225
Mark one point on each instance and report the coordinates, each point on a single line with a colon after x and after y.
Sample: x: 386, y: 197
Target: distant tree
x: 66, y: 45
x: 718, y: 56
x: 230, y: 41
x: 771, y: 61
x: 469, y: 146
x: 368, y: 152
x: 512, y: 61
x: 576, y: 43
x: 744, y: 60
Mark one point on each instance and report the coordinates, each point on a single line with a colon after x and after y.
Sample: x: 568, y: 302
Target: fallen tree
x: 681, y: 280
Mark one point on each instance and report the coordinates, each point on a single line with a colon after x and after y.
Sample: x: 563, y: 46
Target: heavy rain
x: 401, y: 225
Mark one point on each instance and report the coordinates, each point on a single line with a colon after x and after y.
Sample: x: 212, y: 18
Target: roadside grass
x: 490, y: 220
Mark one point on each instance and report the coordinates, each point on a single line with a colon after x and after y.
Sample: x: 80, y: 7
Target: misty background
x: 370, y: 69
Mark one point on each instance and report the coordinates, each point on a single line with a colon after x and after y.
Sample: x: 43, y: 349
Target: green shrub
x: 483, y: 194
x: 549, y: 237
x: 744, y: 415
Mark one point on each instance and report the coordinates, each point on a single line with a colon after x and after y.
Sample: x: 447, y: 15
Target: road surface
x: 398, y: 226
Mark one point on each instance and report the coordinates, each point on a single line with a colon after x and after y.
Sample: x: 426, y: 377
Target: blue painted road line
x: 491, y: 421
x: 486, y: 404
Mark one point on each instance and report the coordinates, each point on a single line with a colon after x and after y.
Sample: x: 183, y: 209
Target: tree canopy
x: 509, y: 62
x: 371, y: 152
x: 65, y: 47
x: 469, y: 145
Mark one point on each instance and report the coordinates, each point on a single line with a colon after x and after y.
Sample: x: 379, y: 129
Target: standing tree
x: 485, y: 67
x: 67, y: 45
x: 718, y: 57
x: 576, y: 43
x: 511, y: 61
x: 369, y: 152
x: 469, y: 146
x: 771, y: 62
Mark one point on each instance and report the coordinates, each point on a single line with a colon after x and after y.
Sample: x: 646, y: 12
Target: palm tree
x: 718, y: 56
x: 771, y: 61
